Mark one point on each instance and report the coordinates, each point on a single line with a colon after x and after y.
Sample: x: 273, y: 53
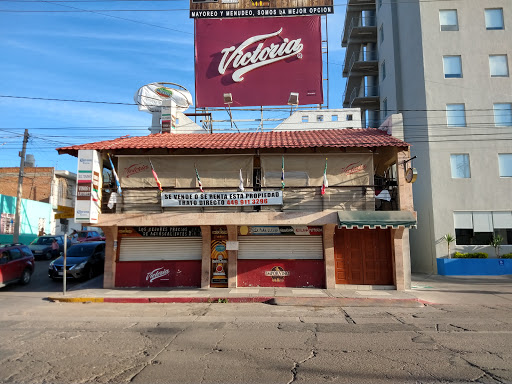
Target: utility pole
x: 19, y: 195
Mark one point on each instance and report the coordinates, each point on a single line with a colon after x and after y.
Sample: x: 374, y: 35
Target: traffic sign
x: 65, y: 215
x: 63, y: 208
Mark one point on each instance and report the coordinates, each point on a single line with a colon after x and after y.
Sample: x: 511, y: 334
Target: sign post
x: 64, y: 267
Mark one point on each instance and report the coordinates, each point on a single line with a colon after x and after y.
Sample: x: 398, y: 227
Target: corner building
x: 262, y: 218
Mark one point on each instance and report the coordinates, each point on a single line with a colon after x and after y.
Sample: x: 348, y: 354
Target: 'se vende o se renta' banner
x: 259, y: 62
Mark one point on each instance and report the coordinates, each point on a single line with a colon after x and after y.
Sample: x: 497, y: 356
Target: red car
x: 89, y: 236
x: 16, y: 264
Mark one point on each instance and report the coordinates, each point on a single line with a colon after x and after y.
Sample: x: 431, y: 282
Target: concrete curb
x: 143, y: 300
x: 280, y: 301
x: 348, y: 302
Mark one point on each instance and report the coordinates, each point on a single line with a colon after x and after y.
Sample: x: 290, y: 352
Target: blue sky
x: 102, y: 55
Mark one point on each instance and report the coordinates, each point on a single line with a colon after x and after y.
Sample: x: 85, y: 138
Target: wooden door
x: 363, y: 256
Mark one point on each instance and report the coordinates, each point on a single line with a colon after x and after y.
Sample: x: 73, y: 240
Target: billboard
x: 258, y: 63
x: 224, y: 9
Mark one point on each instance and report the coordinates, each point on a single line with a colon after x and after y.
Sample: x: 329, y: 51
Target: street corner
x: 54, y: 299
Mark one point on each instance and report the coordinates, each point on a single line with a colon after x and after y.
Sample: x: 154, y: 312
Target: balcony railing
x: 359, y: 22
x: 364, y: 92
x: 350, y: 198
x: 365, y: 57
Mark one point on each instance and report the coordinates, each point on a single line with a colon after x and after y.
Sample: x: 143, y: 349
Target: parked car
x: 84, y: 236
x: 83, y: 261
x: 41, y: 246
x: 16, y: 264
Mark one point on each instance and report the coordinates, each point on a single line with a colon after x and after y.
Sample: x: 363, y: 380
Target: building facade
x: 445, y: 67
x: 317, y: 209
x: 45, y: 185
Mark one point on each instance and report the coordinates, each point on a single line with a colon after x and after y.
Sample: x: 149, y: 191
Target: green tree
x: 448, y: 239
x: 496, y: 243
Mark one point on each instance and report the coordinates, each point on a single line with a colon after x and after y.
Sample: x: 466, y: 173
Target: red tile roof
x: 327, y: 138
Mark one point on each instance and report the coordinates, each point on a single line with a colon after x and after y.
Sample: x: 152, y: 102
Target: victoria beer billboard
x: 260, y: 62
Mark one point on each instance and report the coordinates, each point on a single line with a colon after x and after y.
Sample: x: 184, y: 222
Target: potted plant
x: 448, y: 238
x: 496, y: 243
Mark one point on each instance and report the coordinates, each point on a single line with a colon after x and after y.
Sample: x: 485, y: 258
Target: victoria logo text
x: 245, y: 62
x: 156, y: 274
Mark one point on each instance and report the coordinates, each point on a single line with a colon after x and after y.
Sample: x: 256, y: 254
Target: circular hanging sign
x: 411, y: 175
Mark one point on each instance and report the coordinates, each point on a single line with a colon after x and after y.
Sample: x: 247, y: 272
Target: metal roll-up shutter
x: 161, y: 248
x: 280, y: 247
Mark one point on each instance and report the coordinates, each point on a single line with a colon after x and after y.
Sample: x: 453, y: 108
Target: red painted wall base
x: 176, y: 273
x: 294, y: 273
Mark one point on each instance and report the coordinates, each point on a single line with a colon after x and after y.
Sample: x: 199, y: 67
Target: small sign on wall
x: 232, y: 245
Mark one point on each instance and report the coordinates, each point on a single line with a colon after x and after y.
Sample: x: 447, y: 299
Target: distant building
x: 322, y: 119
x: 46, y: 185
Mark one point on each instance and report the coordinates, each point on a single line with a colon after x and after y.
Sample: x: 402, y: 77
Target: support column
x: 330, y: 267
x: 206, y: 233
x: 405, y: 202
x: 111, y: 252
x: 232, y: 257
x: 401, y: 236
x: 401, y: 252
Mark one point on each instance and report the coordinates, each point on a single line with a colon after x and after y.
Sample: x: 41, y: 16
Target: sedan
x: 83, y: 261
x: 41, y: 246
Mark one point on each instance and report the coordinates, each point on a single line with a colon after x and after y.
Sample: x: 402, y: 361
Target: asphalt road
x: 47, y: 342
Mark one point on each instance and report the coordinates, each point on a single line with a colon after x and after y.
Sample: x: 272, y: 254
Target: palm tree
x: 496, y: 243
x: 448, y: 238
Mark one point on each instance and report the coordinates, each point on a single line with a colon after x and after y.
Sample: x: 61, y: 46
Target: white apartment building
x: 445, y: 66
x: 304, y: 120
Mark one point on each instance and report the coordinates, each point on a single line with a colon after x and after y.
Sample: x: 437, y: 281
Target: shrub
x: 477, y: 255
x: 506, y: 256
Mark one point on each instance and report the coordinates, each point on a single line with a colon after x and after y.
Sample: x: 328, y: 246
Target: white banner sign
x: 222, y: 199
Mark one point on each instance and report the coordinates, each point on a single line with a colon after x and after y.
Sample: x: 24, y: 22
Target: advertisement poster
x: 219, y: 256
x: 88, y: 189
x: 259, y: 63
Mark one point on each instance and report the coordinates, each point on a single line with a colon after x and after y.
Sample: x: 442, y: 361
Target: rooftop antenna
x: 163, y: 100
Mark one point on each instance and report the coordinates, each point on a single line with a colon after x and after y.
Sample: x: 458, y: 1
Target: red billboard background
x: 264, y: 60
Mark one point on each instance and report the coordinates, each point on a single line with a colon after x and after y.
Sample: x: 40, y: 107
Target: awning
x: 376, y: 219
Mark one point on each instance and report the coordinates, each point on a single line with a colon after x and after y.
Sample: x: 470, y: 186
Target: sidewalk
x: 425, y: 290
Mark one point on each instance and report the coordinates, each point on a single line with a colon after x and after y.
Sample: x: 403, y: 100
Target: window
x: 384, y: 108
x: 334, y: 118
x: 448, y: 20
x: 319, y: 118
x: 383, y: 70
x: 350, y: 117
x: 305, y: 118
x: 503, y: 115
x: 381, y: 33
x: 505, y: 164
x: 452, y: 67
x: 478, y: 228
x: 498, y: 65
x: 494, y: 19
x: 460, y: 166
x: 6, y: 223
x: 455, y: 115
x: 15, y: 254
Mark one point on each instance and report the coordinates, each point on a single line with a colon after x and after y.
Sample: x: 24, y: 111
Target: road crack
x: 296, y: 365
